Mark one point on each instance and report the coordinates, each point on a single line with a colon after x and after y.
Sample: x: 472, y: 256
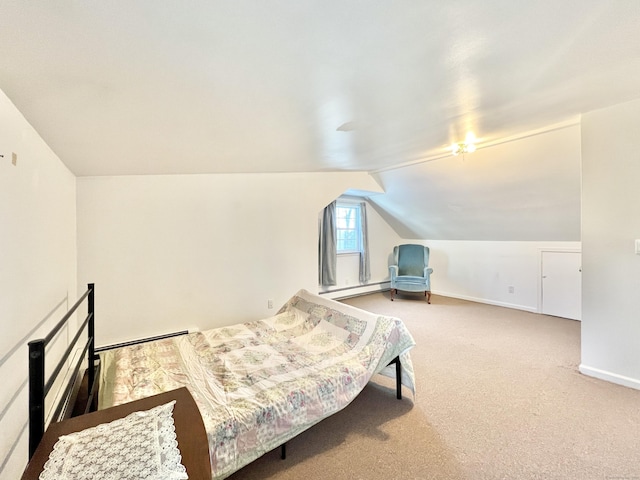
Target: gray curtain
x: 365, y: 270
x: 327, y: 246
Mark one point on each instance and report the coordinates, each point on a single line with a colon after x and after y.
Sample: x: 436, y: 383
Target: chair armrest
x: 428, y: 271
x: 393, y: 271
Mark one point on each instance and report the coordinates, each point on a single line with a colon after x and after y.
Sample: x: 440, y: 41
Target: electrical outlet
x: 511, y: 289
x: 14, y: 158
x: 269, y: 303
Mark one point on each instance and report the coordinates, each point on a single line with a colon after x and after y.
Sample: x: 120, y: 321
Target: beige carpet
x: 499, y: 397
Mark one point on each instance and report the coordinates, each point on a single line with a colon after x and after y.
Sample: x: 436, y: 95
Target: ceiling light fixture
x: 468, y: 146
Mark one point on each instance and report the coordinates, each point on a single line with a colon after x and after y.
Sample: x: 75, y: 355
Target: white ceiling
x: 156, y: 86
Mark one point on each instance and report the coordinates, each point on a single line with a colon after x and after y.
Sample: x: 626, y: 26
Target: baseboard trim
x: 609, y: 376
x: 486, y: 301
x: 355, y: 290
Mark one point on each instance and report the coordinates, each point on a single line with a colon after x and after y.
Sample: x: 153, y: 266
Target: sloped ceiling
x: 527, y: 189
x: 160, y: 87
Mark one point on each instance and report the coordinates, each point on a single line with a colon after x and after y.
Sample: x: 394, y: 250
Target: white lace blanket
x: 260, y: 384
x: 140, y: 446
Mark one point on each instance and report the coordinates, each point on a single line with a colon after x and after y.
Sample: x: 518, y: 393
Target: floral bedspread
x: 261, y: 383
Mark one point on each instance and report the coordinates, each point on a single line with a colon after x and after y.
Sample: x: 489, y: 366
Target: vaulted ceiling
x: 159, y: 86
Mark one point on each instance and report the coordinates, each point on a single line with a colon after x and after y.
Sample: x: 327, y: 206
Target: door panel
x: 562, y: 284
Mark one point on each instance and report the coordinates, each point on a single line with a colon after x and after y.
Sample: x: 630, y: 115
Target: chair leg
x: 392, y: 294
x: 428, y: 295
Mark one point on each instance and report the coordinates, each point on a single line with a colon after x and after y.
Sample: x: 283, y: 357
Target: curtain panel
x: 327, y: 246
x: 365, y: 268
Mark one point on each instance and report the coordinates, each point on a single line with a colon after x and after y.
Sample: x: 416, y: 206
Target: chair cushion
x: 411, y: 260
x: 411, y: 279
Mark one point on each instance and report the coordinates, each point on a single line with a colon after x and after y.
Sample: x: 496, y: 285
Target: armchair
x: 410, y: 271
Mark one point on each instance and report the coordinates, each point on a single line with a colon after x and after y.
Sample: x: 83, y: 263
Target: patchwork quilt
x: 261, y: 383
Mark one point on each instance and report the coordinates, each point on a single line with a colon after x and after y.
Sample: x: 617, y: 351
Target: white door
x: 562, y: 284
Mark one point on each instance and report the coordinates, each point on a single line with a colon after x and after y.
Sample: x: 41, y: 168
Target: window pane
x: 347, y: 228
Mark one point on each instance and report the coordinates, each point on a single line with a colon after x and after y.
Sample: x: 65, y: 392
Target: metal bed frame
x: 39, y: 387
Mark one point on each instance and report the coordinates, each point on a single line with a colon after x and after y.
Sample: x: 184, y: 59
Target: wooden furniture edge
x: 190, y: 432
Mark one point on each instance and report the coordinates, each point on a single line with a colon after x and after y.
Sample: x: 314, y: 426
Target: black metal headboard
x: 39, y: 387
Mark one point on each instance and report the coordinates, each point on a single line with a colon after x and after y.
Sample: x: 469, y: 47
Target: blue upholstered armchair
x: 410, y: 271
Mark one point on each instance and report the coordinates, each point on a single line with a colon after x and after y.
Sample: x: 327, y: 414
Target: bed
x: 259, y: 384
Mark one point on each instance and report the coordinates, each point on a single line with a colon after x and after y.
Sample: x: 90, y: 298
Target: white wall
x: 37, y: 267
x: 610, y: 225
x: 479, y: 271
x: 484, y: 271
x: 180, y: 251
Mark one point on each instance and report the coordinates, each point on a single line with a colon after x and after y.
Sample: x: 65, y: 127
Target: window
x: 348, y: 230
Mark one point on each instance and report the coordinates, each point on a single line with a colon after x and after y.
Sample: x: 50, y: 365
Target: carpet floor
x: 499, y: 396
